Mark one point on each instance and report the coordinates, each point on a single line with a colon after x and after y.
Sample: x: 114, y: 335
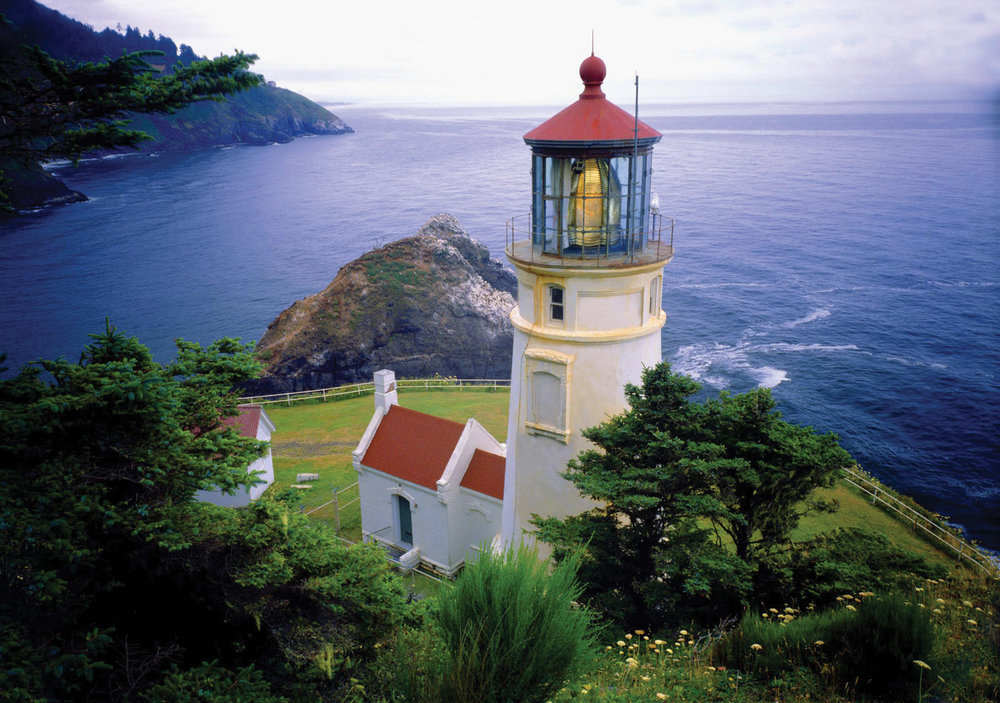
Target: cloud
x: 525, y: 51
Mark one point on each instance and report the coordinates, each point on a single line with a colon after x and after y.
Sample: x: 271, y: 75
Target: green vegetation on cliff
x: 67, y: 91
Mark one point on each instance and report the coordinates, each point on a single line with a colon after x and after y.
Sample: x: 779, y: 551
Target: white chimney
x: 385, y: 390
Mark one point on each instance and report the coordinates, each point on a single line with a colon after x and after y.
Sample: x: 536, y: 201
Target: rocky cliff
x: 434, y: 303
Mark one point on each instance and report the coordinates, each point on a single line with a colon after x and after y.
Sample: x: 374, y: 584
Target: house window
x: 557, y: 303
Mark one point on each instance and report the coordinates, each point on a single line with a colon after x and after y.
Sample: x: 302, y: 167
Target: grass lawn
x: 318, y: 437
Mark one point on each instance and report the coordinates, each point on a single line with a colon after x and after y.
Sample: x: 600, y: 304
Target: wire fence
x: 880, y: 494
x: 952, y: 543
x: 354, y: 390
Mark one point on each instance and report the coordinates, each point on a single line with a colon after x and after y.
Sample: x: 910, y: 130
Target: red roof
x: 413, y: 446
x: 592, y: 118
x: 246, y: 422
x: 485, y: 474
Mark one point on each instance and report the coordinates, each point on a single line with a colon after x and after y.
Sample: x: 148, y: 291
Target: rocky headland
x: 433, y: 303
x: 263, y: 115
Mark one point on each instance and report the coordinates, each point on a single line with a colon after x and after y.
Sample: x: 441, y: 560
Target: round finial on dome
x: 593, y: 71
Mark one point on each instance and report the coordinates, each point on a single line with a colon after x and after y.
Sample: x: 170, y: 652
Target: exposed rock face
x: 434, y: 303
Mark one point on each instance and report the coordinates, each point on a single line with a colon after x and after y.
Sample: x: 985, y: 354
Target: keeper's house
x: 250, y: 421
x: 430, y: 488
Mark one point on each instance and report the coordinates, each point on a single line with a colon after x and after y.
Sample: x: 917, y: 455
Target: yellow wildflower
x: 640, y: 632
x: 711, y: 668
x: 756, y: 647
x: 659, y: 643
x: 645, y: 678
x: 684, y: 632
x: 967, y: 603
x: 661, y: 696
x: 850, y: 607
x: 628, y: 636
x: 620, y: 643
x: 972, y: 622
x: 669, y: 651
x: 922, y: 665
x: 819, y: 643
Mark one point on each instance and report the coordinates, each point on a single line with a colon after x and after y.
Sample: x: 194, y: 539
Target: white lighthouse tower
x: 589, y: 266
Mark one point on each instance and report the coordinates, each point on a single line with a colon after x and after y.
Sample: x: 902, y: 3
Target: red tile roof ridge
x: 413, y: 446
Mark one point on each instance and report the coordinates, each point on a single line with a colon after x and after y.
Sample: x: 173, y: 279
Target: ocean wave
x: 715, y: 364
x: 914, y: 362
x: 723, y: 285
x: 817, y: 314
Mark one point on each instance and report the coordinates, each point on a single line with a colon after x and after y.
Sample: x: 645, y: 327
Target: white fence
x: 951, y: 543
x: 358, y: 389
x: 948, y: 540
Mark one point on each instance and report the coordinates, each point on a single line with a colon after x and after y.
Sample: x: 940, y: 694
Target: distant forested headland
x: 253, y: 112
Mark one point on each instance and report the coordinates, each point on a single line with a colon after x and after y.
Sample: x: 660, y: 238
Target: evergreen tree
x: 54, y: 109
x: 693, y: 497
x: 112, y: 580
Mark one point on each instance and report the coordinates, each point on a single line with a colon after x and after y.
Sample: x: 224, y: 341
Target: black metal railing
x: 654, y: 243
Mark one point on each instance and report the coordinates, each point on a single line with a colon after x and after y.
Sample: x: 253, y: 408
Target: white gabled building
x: 250, y: 421
x: 429, y: 487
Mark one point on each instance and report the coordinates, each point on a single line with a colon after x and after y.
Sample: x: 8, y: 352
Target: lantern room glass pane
x: 589, y: 206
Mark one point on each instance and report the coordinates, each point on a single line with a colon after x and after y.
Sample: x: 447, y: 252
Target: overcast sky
x: 527, y: 52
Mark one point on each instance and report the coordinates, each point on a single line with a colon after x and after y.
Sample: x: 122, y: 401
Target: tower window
x: 556, y: 303
x: 654, y: 296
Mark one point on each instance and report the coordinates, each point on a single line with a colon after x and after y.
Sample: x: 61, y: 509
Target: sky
x: 528, y: 52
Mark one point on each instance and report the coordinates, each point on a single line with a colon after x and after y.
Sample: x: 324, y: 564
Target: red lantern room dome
x: 592, y: 121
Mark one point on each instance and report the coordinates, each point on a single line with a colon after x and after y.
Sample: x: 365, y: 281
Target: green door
x: 405, y: 521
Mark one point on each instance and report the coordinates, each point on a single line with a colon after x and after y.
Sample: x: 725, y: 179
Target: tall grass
x: 510, y: 631
x: 869, y: 648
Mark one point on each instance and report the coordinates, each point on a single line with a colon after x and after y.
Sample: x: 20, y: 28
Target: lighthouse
x: 589, y: 262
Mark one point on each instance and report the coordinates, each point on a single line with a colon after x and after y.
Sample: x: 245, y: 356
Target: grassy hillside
x: 318, y: 438
x: 684, y: 664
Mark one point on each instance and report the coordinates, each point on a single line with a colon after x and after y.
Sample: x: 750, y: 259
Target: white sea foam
x: 914, y: 362
x: 817, y: 314
x: 768, y: 377
x: 714, y: 364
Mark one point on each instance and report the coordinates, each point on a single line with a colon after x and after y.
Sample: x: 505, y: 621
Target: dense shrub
x: 843, y: 561
x: 509, y: 630
x: 212, y: 683
x: 869, y: 649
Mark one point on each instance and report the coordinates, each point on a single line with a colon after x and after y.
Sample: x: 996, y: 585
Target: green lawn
x: 318, y: 437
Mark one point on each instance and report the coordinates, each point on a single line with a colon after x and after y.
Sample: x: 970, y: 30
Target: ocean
x: 845, y: 255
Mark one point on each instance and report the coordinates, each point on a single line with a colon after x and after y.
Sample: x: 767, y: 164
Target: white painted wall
x: 608, y: 335
x: 263, y: 468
